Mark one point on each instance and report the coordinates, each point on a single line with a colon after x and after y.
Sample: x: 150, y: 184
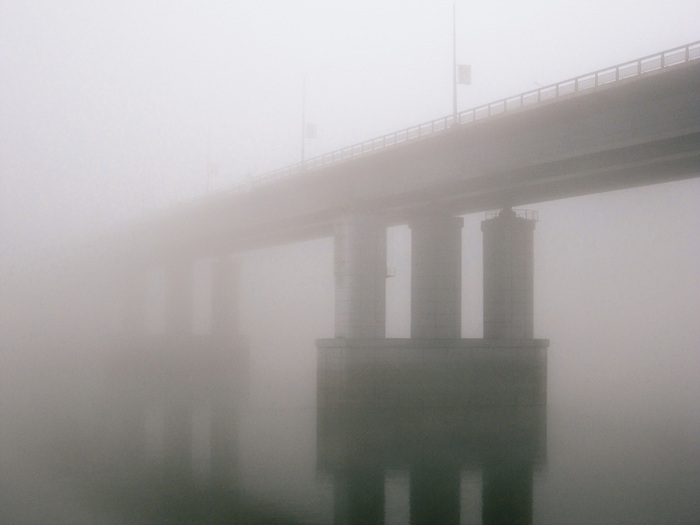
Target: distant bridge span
x: 629, y: 125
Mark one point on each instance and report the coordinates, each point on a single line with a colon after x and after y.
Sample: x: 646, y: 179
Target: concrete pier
x: 436, y: 277
x: 434, y: 404
x: 436, y: 313
x: 228, y: 368
x: 177, y: 439
x: 360, y: 314
x: 508, y: 275
x: 360, y: 276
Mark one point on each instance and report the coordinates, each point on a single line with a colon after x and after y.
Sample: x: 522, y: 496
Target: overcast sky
x: 111, y: 108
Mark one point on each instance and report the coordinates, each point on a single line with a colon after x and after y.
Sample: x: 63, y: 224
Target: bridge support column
x: 435, y: 495
x: 127, y: 396
x: 436, y: 313
x: 177, y: 442
x: 227, y: 372
x: 360, y: 277
x: 508, y: 276
x: 436, y: 277
x: 360, y: 313
x: 508, y: 314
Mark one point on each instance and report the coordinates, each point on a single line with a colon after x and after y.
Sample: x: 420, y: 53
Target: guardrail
x: 530, y: 215
x: 626, y: 70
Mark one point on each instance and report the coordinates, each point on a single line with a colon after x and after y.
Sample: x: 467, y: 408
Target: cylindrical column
x: 360, y: 276
x: 508, y: 276
x: 125, y: 378
x: 179, y: 297
x: 227, y: 370
x: 224, y: 298
x: 436, y: 277
x: 177, y: 444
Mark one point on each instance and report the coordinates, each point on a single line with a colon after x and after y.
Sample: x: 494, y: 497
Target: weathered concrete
x: 436, y: 277
x: 508, y: 276
x: 178, y: 400
x: 360, y: 276
x: 228, y: 373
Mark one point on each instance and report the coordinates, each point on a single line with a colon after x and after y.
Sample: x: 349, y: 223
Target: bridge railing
x: 530, y: 215
x: 625, y: 70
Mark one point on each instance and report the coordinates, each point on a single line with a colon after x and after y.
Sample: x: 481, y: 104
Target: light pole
x: 303, y: 112
x: 461, y: 74
x: 454, y: 63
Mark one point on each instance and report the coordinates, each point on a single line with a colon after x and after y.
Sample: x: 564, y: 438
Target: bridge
x: 632, y: 124
x: 444, y: 402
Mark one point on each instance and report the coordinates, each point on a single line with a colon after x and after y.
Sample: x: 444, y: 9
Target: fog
x: 112, y: 111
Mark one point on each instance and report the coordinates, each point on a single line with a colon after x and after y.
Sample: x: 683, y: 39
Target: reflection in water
x: 432, y: 410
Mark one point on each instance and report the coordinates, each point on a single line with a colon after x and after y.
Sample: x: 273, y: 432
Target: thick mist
x: 110, y: 113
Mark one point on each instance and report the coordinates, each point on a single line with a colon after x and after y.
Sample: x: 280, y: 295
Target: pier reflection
x: 433, y: 409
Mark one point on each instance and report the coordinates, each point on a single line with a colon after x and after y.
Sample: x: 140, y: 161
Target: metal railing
x: 530, y: 215
x: 626, y: 70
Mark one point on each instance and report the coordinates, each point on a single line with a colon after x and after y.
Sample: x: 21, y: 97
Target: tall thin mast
x: 454, y: 65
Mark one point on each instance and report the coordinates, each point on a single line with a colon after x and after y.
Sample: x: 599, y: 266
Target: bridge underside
x: 635, y: 132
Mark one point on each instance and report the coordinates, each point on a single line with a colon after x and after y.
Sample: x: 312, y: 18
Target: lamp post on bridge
x: 461, y: 74
x: 303, y: 113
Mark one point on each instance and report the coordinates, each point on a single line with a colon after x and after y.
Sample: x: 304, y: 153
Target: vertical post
x: 360, y: 312
x: 303, y: 120
x: 126, y: 374
x: 225, y: 309
x: 228, y: 369
x: 436, y: 313
x: 436, y: 277
x: 360, y: 275
x: 508, y: 276
x: 179, y: 298
x: 177, y: 444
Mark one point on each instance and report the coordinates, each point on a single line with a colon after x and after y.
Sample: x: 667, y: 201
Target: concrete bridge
x: 629, y: 125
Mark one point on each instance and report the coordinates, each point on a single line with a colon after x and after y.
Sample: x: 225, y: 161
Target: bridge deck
x: 634, y: 130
